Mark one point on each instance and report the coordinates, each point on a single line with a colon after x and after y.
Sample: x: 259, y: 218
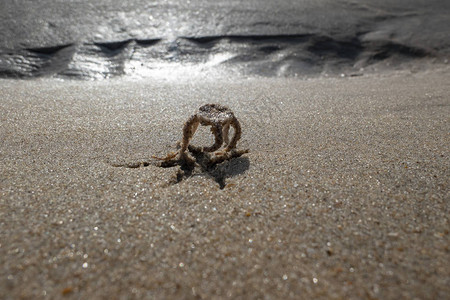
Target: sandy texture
x: 344, y: 193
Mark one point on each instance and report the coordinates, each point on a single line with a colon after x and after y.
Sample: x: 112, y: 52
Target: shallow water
x: 103, y: 39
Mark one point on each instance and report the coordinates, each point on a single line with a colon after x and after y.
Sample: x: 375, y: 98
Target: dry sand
x: 344, y: 194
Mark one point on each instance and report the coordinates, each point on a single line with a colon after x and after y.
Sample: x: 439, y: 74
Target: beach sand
x: 343, y: 195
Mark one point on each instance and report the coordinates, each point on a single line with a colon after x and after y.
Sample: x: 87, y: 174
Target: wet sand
x: 344, y: 193
x: 286, y: 38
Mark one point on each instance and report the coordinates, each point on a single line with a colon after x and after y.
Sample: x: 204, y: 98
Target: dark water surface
x: 106, y: 38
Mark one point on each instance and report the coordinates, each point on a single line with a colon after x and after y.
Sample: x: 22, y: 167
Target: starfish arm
x: 188, y: 131
x: 216, y: 129
x: 225, y: 131
x: 237, y: 134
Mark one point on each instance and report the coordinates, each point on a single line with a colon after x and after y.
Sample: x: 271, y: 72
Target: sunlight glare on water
x: 176, y: 70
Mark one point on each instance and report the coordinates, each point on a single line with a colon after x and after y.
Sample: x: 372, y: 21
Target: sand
x: 344, y: 194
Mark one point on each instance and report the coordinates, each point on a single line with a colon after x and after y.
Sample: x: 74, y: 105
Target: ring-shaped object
x: 220, y: 118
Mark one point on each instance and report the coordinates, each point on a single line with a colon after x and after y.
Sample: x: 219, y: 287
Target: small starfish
x: 220, y: 118
x: 207, y: 159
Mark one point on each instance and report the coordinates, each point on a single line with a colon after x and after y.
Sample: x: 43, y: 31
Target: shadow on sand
x: 218, y: 168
